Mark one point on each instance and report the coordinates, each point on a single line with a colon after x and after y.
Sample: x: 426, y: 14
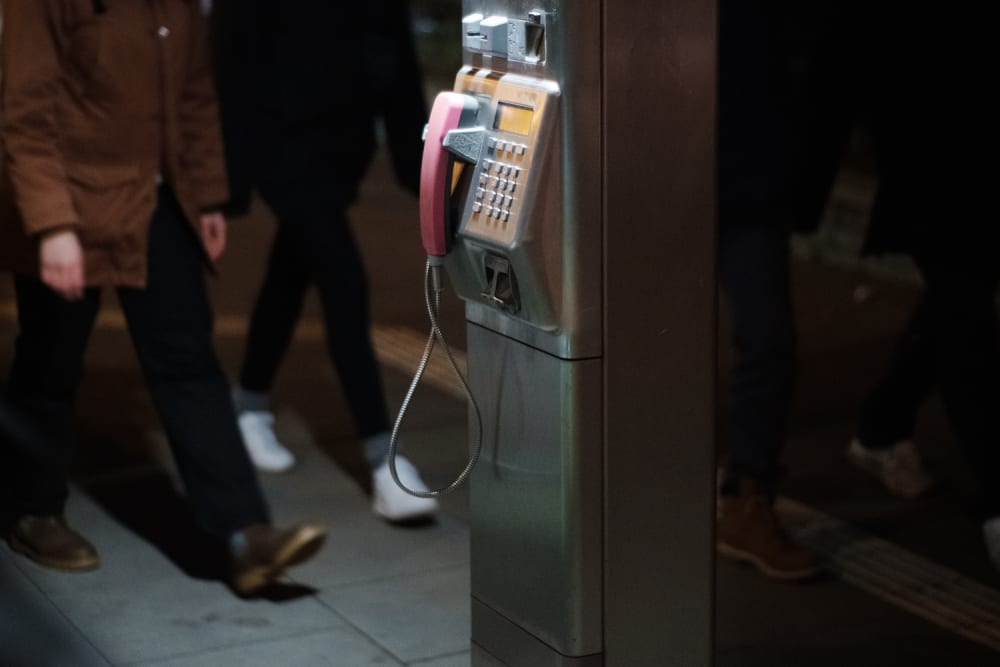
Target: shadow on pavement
x: 150, y: 506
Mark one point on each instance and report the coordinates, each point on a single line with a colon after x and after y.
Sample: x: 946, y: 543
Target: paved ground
x: 911, y: 584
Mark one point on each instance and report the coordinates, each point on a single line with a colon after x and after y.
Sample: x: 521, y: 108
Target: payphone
x: 515, y: 197
x: 510, y: 206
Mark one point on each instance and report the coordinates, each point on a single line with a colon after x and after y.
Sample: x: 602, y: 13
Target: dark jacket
x: 99, y: 98
x: 932, y: 120
x: 783, y: 116
x: 302, y: 83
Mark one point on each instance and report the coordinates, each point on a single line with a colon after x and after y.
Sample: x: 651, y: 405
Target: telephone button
x: 480, y: 193
x: 484, y: 180
x: 511, y: 187
x: 521, y: 149
x: 506, y: 216
x: 516, y: 172
x: 477, y: 206
x: 508, y: 200
x: 491, y: 143
x: 503, y: 184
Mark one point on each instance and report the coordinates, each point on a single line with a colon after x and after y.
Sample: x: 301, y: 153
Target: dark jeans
x: 950, y: 345
x: 18, y: 433
x: 314, y: 245
x: 754, y: 269
x: 170, y: 322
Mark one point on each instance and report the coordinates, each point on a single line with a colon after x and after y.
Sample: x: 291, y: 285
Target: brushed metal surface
x: 536, y: 495
x: 660, y: 328
x: 508, y: 644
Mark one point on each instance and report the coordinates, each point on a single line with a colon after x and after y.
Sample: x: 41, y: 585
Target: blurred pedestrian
x: 933, y: 203
x: 114, y: 175
x: 781, y: 132
x: 303, y: 84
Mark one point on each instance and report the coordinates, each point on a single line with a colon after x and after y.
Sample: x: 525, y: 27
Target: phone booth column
x: 568, y: 190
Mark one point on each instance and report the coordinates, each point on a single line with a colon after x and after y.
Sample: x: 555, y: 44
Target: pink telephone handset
x: 450, y: 111
x: 450, y: 132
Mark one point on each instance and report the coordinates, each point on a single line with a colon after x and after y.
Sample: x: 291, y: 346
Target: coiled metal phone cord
x: 432, y: 283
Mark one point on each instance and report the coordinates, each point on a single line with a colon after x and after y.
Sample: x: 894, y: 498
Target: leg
x: 48, y: 364
x: 47, y: 367
x: 889, y: 413
x: 278, y: 307
x: 171, y: 326
x: 22, y: 435
x: 963, y: 320
x: 883, y: 445
x: 272, y: 324
x: 755, y: 275
x: 335, y: 266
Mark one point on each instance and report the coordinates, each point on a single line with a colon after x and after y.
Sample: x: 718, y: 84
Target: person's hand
x: 61, y: 260
x: 213, y: 234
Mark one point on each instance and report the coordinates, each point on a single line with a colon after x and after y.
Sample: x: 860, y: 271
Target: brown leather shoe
x: 749, y: 531
x: 267, y: 551
x: 50, y: 542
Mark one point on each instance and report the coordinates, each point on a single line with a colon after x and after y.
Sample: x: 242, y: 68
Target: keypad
x: 499, y: 179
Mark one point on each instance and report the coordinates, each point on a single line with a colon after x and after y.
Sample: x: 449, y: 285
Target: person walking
x: 782, y: 128
x: 933, y: 203
x: 300, y: 110
x: 114, y: 176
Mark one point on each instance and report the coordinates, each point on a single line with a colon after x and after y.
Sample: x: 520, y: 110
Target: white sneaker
x: 267, y: 454
x: 991, y: 536
x: 391, y: 502
x: 899, y: 467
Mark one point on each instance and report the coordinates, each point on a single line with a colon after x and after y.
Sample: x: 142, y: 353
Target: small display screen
x: 514, y: 118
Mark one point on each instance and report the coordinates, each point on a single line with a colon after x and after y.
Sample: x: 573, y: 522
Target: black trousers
x: 18, y: 433
x: 950, y: 345
x: 170, y: 323
x: 314, y: 245
x: 754, y: 270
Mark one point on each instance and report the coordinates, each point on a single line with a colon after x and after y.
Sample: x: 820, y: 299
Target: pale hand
x: 213, y: 234
x: 61, y: 261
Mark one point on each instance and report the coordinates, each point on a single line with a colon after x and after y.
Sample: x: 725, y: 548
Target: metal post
x: 659, y: 330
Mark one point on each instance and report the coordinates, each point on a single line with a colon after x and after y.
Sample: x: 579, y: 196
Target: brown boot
x: 50, y: 542
x: 749, y: 531
x: 265, y: 552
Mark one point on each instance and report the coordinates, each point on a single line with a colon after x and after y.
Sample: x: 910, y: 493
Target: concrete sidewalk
x: 376, y: 595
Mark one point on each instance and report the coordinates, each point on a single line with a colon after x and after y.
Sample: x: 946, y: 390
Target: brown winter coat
x: 100, y: 99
